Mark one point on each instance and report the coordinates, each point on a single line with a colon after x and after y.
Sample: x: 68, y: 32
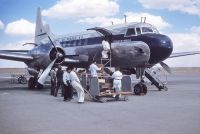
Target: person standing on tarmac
x: 59, y: 76
x: 117, y: 82
x: 53, y: 80
x: 94, y: 83
x: 68, y: 93
x: 75, y: 82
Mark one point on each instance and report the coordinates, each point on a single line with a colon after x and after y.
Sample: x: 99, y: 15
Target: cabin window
x: 130, y: 31
x: 138, y: 30
x: 147, y: 30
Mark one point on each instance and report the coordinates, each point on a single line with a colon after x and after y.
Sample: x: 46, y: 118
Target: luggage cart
x: 101, y: 90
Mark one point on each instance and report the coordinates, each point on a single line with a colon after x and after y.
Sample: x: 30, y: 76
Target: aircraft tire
x: 39, y: 86
x: 137, y: 89
x: 144, y: 88
x: 140, y: 88
x: 31, y: 83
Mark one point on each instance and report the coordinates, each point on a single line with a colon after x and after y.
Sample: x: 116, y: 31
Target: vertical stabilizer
x: 41, y: 31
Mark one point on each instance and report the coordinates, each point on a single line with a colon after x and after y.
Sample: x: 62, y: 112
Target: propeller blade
x: 166, y: 67
x: 44, y: 75
x: 52, y: 43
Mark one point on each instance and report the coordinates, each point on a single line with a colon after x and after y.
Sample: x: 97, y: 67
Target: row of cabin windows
x: 138, y: 31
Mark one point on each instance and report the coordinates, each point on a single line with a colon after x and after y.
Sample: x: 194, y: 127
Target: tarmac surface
x: 176, y: 111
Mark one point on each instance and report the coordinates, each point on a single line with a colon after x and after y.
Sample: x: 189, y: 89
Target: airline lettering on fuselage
x: 125, y: 40
x: 78, y: 37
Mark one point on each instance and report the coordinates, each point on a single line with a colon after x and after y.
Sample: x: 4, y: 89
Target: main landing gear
x: 32, y: 83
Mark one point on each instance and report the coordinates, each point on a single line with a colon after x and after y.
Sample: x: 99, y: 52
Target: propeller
x: 52, y: 43
x: 166, y: 67
x: 45, y: 73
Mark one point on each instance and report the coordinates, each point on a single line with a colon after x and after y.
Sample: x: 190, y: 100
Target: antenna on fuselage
x: 125, y: 19
x: 143, y: 19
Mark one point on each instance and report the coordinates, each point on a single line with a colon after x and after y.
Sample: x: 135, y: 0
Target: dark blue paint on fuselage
x: 160, y: 45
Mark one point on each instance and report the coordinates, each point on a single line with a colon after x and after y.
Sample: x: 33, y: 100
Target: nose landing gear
x: 140, y: 89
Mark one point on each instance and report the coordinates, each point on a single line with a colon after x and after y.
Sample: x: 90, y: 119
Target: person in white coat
x: 76, y: 84
x: 106, y: 49
x: 117, y: 82
x: 94, y: 83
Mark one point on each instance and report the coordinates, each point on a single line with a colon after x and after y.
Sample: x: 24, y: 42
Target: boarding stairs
x: 106, y: 62
x: 155, y: 81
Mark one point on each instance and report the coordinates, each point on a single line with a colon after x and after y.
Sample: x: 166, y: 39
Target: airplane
x: 134, y: 47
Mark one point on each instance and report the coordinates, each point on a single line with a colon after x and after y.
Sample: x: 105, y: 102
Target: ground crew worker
x: 68, y: 93
x: 59, y: 76
x: 76, y: 84
x: 117, y: 82
x: 93, y: 69
x: 53, y: 80
x: 94, y: 83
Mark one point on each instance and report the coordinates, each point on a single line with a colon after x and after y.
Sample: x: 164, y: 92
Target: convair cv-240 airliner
x: 133, y: 48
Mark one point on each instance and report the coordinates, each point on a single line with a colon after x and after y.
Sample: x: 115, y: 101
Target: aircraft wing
x: 17, y: 51
x: 183, y: 54
x: 15, y: 55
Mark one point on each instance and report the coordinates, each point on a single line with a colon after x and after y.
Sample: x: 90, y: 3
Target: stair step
x: 159, y: 84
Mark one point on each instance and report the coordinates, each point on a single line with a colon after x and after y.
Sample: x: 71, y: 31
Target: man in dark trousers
x: 68, y: 93
x: 59, y: 76
x: 53, y: 80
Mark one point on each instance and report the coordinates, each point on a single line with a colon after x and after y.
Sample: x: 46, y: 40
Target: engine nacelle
x: 137, y: 52
x: 59, y: 53
x: 33, y: 71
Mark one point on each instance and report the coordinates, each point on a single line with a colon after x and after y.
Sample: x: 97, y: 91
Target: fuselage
x: 132, y: 45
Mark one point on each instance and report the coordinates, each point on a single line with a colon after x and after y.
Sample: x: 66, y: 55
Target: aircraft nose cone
x: 161, y: 49
x: 166, y: 43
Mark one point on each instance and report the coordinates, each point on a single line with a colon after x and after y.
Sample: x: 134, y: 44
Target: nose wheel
x: 140, y: 89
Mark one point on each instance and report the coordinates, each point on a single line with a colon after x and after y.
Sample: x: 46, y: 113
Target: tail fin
x: 41, y: 30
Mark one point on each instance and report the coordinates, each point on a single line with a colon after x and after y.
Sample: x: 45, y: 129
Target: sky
x: 178, y: 19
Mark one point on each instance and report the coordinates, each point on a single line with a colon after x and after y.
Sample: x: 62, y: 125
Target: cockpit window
x: 147, y: 30
x: 130, y: 31
x: 138, y: 30
x: 155, y: 30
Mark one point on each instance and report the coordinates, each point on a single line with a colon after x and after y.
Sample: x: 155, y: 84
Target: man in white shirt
x: 117, y: 82
x: 93, y: 69
x: 75, y: 82
x: 94, y: 83
x: 68, y: 93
